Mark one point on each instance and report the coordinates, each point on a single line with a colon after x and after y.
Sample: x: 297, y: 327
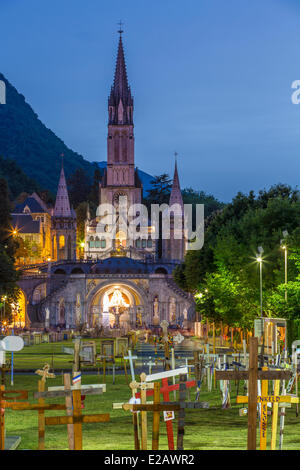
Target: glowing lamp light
x: 199, y: 296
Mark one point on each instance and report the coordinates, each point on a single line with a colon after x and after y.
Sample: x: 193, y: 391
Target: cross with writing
x: 165, y: 391
x: 158, y: 407
x: 253, y: 375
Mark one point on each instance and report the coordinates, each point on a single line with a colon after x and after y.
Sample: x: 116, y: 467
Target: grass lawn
x: 34, y: 357
x: 205, y: 429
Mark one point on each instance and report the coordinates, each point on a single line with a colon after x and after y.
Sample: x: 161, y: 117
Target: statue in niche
x: 155, y: 311
x: 172, y: 312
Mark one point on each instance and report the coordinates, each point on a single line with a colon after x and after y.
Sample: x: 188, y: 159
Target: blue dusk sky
x: 211, y: 79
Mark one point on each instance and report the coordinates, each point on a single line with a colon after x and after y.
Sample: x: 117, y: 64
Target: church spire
x: 176, y: 196
x: 120, y: 102
x: 62, y: 203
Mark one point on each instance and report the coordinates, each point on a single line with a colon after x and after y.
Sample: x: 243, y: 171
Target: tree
x: 94, y: 193
x: 226, y: 266
x: 78, y: 187
x: 211, y: 204
x: 160, y: 191
x: 81, y: 215
x: 6, y: 239
x: 8, y: 273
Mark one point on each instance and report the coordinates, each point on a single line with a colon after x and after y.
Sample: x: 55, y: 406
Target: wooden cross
x: 6, y: 399
x: 264, y: 399
x: 165, y: 340
x: 44, y: 373
x: 76, y: 418
x: 67, y: 392
x: 106, y: 359
x: 5, y: 402
x: 165, y: 391
x: 4, y: 368
x: 253, y: 375
x: 198, y: 369
x: 143, y: 386
x: 156, y: 407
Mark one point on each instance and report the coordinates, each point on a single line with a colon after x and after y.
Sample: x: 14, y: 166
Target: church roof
x: 24, y: 223
x: 31, y: 204
x: 119, y: 265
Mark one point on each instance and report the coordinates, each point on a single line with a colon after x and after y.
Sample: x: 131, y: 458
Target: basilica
x: 120, y: 281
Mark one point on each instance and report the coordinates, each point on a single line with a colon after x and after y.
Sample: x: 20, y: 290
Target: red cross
x: 165, y: 390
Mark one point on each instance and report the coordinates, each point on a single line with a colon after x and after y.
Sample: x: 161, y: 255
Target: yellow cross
x: 264, y: 399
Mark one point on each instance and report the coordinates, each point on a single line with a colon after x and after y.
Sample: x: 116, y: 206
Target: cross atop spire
x: 120, y: 102
x: 120, y: 31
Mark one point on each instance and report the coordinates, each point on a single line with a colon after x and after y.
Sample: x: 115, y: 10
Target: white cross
x: 164, y: 325
x: 150, y: 364
x: 131, y: 358
x: 167, y: 374
x: 178, y: 338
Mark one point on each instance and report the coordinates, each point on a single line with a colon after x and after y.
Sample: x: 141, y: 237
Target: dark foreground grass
x: 212, y: 429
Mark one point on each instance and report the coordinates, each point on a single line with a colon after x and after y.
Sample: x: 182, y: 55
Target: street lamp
x: 259, y: 259
x: 284, y: 247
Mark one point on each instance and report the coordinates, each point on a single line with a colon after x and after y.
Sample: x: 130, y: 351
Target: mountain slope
x: 18, y: 182
x: 35, y: 148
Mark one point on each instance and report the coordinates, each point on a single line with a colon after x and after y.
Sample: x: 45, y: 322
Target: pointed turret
x: 62, y: 204
x: 63, y: 230
x: 176, y: 196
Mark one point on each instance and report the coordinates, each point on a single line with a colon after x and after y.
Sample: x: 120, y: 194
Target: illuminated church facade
x: 128, y: 283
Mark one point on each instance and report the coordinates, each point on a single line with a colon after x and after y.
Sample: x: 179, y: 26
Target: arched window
x: 69, y: 247
x: 121, y: 239
x: 161, y: 271
x: 91, y: 242
x: 61, y: 241
x: 97, y: 242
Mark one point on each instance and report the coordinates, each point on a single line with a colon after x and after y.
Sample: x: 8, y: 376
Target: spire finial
x: 176, y: 155
x: 120, y: 31
x: 62, y: 159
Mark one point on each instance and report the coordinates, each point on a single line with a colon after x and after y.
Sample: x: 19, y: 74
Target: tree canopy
x: 224, y: 275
